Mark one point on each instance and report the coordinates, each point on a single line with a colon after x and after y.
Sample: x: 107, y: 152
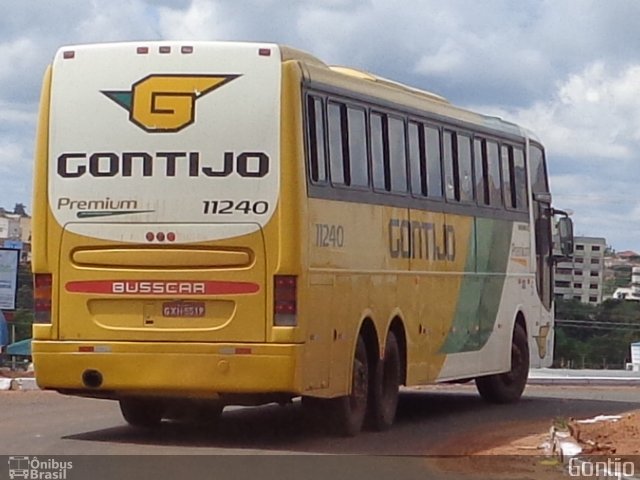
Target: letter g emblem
x: 166, y: 103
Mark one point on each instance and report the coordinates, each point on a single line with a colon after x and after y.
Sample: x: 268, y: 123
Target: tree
x: 599, y: 337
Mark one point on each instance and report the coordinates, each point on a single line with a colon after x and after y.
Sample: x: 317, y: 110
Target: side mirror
x: 565, y: 236
x: 565, y: 230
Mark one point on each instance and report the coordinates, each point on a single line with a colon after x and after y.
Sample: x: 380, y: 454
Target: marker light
x: 142, y: 50
x: 69, y: 54
x: 186, y: 49
x: 160, y: 236
x: 264, y: 52
x: 165, y: 49
x: 42, y: 297
x: 285, y: 300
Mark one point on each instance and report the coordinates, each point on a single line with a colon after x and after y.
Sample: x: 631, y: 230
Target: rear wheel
x: 141, y: 412
x: 508, y: 387
x: 386, y: 385
x: 347, y: 413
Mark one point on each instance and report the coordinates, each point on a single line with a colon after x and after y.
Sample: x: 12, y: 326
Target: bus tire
x: 209, y: 414
x: 386, y: 386
x: 508, y: 387
x: 140, y: 412
x: 347, y: 413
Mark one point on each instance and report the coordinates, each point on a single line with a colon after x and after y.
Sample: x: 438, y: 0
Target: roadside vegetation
x: 589, y: 336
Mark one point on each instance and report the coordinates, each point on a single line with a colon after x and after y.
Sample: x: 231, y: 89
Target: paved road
x: 440, y: 420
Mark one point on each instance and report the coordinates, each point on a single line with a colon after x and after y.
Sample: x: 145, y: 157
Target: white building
x: 9, y: 227
x: 15, y: 230
x: 633, y: 291
x: 582, y: 277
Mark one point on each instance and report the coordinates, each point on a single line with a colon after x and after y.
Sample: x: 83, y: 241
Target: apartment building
x: 582, y: 277
x: 15, y: 230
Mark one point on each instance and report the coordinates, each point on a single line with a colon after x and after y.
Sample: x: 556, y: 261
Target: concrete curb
x: 595, y: 381
x: 25, y: 384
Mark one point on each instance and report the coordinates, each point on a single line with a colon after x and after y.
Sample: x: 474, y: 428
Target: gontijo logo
x: 166, y: 103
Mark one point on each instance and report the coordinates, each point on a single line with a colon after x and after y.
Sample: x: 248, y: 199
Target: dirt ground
x: 527, y: 456
x: 607, y: 435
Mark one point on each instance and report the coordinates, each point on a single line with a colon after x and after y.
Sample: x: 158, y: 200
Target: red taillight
x: 285, y: 300
x: 42, y: 297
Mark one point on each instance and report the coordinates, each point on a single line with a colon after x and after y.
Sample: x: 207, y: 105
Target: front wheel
x: 508, y: 387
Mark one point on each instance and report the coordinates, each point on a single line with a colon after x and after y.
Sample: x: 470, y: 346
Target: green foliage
x: 602, y: 341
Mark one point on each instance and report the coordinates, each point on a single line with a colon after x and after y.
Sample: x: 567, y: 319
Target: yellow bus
x: 239, y: 223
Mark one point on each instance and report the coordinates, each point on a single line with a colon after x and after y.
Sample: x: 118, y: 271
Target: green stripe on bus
x: 480, y: 294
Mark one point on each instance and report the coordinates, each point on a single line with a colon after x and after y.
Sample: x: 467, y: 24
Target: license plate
x: 183, y: 309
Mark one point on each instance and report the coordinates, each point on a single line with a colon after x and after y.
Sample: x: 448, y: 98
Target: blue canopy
x: 23, y: 347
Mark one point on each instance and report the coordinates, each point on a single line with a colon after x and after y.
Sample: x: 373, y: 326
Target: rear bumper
x: 160, y: 369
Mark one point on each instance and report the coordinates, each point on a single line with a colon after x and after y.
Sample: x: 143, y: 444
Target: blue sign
x: 13, y: 244
x: 8, y: 278
x: 4, y: 331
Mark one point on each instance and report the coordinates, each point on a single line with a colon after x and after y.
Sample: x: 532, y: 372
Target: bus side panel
x: 507, y: 289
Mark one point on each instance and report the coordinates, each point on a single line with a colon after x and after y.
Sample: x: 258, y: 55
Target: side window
x: 506, y: 154
x: 377, y: 152
x: 487, y: 168
x: 539, y: 183
x: 358, y: 166
x: 520, y: 179
x: 347, y: 145
x: 336, y: 154
x: 451, y: 189
x: 397, y: 155
x: 458, y: 168
x: 480, y: 164
x: 417, y: 167
x: 465, y: 172
x: 493, y: 174
x: 434, y: 168
x: 317, y: 157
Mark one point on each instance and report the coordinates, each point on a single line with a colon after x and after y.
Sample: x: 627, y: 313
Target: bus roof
x: 366, y: 83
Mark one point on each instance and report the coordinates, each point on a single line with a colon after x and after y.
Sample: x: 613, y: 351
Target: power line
x: 598, y: 325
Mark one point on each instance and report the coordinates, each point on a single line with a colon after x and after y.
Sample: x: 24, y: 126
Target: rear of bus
x: 158, y: 230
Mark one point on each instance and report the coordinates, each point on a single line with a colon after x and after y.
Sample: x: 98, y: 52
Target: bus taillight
x: 42, y: 297
x: 285, y: 301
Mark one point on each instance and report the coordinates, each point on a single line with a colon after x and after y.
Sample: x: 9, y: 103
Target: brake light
x: 42, y: 297
x: 285, y: 300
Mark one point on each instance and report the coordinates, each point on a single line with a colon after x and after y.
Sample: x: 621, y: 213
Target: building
x: 15, y: 230
x: 631, y: 292
x: 582, y: 277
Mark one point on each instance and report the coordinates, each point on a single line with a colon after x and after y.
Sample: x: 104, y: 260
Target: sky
x: 567, y: 69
